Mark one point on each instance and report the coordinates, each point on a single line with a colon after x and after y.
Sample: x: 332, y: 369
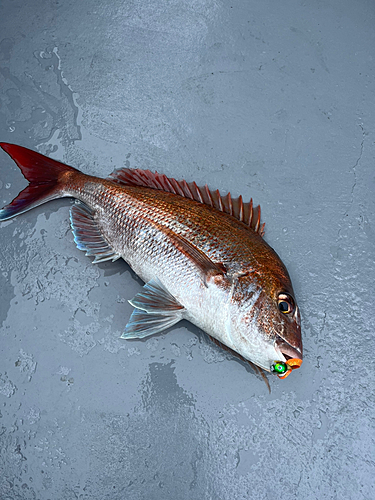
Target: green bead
x: 279, y: 367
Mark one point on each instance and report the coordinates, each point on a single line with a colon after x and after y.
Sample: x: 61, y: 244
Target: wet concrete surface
x: 269, y: 100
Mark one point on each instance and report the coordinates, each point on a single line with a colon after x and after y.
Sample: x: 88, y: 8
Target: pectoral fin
x: 207, y: 268
x: 155, y: 310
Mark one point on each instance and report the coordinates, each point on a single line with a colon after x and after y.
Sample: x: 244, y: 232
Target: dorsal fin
x: 244, y: 212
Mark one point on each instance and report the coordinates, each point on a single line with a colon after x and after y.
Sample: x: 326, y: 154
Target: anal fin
x: 88, y: 235
x: 155, y: 310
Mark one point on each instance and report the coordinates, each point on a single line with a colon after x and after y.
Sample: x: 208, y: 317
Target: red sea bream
x: 202, y: 256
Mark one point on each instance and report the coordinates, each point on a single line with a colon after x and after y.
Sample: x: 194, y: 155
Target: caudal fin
x: 46, y: 178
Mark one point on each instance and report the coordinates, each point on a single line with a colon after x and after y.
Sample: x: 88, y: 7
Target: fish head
x: 265, y: 322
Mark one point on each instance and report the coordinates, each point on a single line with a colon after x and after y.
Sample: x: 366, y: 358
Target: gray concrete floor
x: 268, y: 99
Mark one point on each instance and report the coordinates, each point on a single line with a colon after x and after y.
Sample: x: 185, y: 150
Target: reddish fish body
x: 202, y: 256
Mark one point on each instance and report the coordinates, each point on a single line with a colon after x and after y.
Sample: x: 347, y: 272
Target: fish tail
x: 48, y: 180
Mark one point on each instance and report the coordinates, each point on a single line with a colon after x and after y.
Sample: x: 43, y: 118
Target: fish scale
x: 202, y: 256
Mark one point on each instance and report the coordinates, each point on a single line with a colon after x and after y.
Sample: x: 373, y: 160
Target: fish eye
x: 285, y: 303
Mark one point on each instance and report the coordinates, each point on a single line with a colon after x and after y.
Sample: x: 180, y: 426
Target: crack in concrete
x: 358, y: 160
x: 354, y: 168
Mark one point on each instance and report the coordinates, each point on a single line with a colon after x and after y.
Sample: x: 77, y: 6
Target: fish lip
x: 286, y: 350
x: 289, y: 353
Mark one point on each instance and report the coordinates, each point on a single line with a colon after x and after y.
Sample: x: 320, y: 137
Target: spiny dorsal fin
x: 244, y: 212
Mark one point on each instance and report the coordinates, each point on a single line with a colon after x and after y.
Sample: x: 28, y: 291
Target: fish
x: 201, y: 255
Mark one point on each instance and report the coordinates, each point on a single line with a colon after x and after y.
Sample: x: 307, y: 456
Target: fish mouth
x: 292, y: 355
x: 287, y: 350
